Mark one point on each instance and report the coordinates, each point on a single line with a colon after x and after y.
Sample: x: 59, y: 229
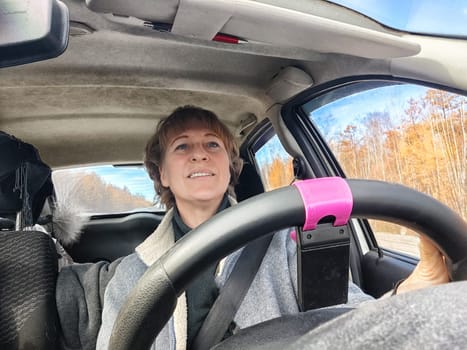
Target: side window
x: 274, y: 164
x: 401, y: 133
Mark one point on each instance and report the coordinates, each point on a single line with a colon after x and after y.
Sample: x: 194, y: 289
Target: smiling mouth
x: 200, y: 174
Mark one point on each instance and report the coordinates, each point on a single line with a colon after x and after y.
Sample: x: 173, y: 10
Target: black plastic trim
x: 113, y: 237
x: 381, y: 273
x: 50, y: 46
x: 262, y: 134
x: 98, y: 217
x: 400, y: 256
x: 321, y: 89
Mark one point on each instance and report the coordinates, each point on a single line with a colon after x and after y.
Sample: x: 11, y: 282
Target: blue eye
x: 181, y: 147
x: 213, y: 144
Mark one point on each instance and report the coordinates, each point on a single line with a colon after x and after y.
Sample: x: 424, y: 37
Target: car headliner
x: 100, y: 100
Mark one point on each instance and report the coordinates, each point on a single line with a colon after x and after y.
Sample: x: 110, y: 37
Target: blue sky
x: 355, y: 108
x: 447, y: 17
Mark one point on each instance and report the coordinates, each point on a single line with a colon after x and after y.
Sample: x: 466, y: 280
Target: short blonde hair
x: 180, y: 120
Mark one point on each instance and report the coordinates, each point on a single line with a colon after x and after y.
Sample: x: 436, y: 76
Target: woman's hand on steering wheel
x: 430, y: 271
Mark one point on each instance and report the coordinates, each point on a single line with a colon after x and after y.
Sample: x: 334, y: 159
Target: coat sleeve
x: 79, y: 298
x: 125, y: 278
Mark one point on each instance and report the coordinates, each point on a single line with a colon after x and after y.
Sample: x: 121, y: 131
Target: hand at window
x: 431, y: 269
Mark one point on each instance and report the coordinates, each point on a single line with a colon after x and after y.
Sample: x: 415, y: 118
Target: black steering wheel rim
x: 153, y: 300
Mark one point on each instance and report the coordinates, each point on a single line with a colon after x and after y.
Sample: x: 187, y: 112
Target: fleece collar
x: 158, y: 242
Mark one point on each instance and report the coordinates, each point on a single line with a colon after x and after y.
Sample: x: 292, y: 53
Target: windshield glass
x: 439, y: 18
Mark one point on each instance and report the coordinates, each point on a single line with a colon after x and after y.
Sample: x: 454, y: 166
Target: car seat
x: 28, y: 259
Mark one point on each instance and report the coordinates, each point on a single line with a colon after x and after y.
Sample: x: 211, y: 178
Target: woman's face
x: 196, y: 167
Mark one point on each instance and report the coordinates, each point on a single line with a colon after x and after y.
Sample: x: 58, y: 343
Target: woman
x: 194, y: 162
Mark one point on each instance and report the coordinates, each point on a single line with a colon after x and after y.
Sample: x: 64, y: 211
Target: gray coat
x: 271, y: 294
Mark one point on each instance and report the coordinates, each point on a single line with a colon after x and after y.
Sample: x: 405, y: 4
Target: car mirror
x: 32, y: 30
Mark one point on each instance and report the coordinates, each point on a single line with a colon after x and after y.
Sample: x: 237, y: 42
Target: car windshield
x: 439, y: 18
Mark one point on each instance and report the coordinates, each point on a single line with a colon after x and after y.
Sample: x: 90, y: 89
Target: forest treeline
x: 93, y: 194
x: 425, y: 149
x: 279, y: 173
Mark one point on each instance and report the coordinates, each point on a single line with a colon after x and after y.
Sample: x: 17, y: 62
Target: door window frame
x: 319, y: 155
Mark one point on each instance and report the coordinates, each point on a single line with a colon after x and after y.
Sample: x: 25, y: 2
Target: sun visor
x: 149, y: 10
x: 258, y: 23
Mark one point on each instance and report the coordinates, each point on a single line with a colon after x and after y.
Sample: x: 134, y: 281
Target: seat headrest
x: 25, y: 180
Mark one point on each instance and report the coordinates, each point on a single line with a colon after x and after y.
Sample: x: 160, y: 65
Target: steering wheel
x: 153, y: 300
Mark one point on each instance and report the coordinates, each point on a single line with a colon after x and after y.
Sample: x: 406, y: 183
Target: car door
x: 378, y: 128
